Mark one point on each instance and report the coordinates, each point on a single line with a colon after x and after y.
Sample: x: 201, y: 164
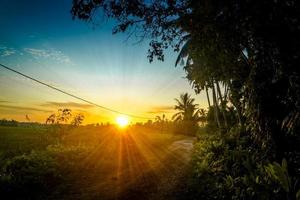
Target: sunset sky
x: 40, y: 39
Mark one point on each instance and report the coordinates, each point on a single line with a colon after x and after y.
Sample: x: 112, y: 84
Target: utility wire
x: 72, y: 95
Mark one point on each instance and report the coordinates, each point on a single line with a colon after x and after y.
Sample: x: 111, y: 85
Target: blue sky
x: 40, y: 39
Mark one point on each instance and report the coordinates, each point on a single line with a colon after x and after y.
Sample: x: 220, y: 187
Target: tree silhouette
x: 77, y: 120
x: 187, y: 109
x: 187, y: 118
x: 202, y: 115
x: 160, y: 119
x: 62, y: 116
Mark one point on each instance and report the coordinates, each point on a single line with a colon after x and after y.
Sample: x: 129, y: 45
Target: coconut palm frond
x: 176, y: 115
x: 183, y: 53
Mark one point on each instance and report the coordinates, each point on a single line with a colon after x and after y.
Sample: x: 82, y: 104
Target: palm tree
x: 187, y: 109
x: 159, y: 119
x: 202, y: 116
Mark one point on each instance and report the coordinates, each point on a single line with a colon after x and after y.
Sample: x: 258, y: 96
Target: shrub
x: 68, y: 157
x: 185, y: 128
x: 29, y: 176
x: 226, y: 167
x: 38, y: 175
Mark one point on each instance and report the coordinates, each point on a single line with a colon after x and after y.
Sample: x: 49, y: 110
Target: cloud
x: 6, y: 51
x: 67, y: 104
x: 24, y: 108
x: 53, y: 54
x: 160, y: 109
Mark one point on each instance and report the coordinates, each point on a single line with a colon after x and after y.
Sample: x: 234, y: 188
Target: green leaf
x: 279, y: 174
x: 298, y: 195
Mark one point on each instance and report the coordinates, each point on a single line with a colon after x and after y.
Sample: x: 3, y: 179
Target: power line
x: 71, y: 95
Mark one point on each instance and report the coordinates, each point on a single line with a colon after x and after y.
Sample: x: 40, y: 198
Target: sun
x: 122, y: 121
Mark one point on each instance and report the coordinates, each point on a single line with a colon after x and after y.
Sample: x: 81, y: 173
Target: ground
x: 135, y: 163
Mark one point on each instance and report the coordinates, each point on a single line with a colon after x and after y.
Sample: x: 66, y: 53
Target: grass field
x: 92, y: 162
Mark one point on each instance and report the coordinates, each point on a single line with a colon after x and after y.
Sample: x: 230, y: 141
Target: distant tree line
x: 5, y: 122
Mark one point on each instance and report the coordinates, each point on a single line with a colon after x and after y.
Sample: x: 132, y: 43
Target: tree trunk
x: 215, y: 103
x: 238, y: 111
x: 207, y: 95
x: 222, y: 104
x: 225, y: 92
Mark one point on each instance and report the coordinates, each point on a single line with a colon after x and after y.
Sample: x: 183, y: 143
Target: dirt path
x: 168, y: 179
x: 185, y: 147
x: 171, y: 181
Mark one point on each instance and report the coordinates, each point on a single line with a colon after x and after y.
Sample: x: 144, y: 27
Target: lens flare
x: 122, y: 121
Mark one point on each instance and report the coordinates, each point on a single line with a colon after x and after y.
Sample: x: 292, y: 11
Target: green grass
x: 19, y: 140
x: 88, y: 163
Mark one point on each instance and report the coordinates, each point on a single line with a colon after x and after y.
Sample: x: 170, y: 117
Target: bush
x: 29, y: 176
x: 185, y: 128
x: 41, y: 174
x: 226, y: 167
x: 68, y: 157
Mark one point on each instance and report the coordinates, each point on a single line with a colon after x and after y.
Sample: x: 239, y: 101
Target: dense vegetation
x: 246, y: 54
